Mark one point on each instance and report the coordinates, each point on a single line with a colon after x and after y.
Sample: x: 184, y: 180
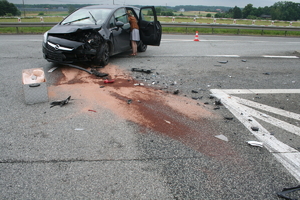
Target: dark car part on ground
x: 60, y: 102
x: 286, y: 191
x: 93, y: 71
x: 147, y: 71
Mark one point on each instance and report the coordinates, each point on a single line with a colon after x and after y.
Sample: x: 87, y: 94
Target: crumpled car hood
x: 66, y: 29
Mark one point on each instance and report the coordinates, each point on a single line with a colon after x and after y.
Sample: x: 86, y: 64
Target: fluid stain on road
x: 177, y: 117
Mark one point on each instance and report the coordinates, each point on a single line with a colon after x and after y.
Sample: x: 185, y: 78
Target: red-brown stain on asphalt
x: 180, y: 118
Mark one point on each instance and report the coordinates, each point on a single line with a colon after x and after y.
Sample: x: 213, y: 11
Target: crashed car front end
x: 68, y: 46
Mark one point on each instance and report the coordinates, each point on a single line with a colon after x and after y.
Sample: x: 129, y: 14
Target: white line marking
x: 229, y: 56
x: 267, y: 108
x: 266, y: 56
x: 261, y: 91
x: 286, y: 155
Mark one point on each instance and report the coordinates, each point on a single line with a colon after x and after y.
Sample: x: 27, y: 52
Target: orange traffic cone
x: 196, y: 37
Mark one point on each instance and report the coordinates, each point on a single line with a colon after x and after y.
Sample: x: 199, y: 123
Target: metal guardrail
x: 174, y: 25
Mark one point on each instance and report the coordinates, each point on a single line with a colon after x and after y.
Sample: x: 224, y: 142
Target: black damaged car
x: 94, y: 33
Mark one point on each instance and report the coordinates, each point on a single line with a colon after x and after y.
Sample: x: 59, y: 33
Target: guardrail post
x: 212, y: 30
x: 238, y: 32
x: 285, y: 33
x: 262, y: 31
x: 17, y: 29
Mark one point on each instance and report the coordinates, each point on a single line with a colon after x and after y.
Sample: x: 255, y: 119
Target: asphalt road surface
x: 179, y: 132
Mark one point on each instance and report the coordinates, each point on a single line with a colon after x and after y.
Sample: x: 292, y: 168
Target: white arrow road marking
x: 286, y: 155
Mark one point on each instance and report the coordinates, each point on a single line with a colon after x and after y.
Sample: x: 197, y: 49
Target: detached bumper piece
x: 286, y: 191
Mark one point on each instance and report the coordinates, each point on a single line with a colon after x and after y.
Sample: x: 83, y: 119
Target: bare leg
x: 134, y: 47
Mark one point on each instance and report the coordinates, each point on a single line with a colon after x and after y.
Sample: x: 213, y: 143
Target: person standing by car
x: 134, y: 32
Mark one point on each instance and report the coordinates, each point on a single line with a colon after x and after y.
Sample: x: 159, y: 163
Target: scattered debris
x: 108, y: 81
x: 217, y: 108
x: 167, y: 122
x: 137, y: 84
x: 194, y: 91
x: 217, y: 65
x: 94, y: 72
x: 244, y: 60
x: 147, y: 71
x: 223, y: 62
x: 176, y: 92
x: 285, y: 191
x: 255, y: 143
x: 99, y: 74
x: 218, y: 102
x: 254, y: 128
x: 228, y: 118
x: 60, y: 102
x: 79, y: 129
x: 52, y: 69
x: 266, y: 73
x: 92, y: 110
x: 264, y: 115
x: 129, y: 101
x: 196, y: 98
x: 222, y: 137
x: 102, y: 86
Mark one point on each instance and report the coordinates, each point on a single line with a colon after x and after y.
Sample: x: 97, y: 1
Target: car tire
x: 102, y: 57
x: 141, y: 47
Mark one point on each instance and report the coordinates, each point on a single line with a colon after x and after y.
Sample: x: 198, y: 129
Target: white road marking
x: 228, y: 56
x: 266, y: 56
x: 286, y: 155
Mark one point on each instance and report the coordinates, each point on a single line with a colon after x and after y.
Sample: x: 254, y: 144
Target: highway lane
x: 44, y: 157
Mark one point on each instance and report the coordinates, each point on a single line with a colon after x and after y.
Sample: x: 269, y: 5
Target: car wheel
x: 142, y: 47
x: 102, y: 57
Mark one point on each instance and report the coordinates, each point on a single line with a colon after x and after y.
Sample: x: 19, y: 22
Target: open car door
x: 150, y: 28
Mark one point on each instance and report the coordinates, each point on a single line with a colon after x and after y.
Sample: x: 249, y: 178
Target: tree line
x: 282, y: 10
x: 8, y: 9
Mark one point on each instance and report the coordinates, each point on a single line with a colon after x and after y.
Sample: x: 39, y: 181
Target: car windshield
x: 86, y: 16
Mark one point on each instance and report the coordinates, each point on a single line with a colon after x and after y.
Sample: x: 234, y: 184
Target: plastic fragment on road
x: 244, y: 60
x: 147, y: 71
x: 60, y: 102
x: 222, y: 137
x: 167, y: 122
x: 79, y: 129
x: 92, y: 110
x: 109, y: 81
x: 52, y: 69
x: 254, y: 128
x: 223, y: 62
x: 255, y: 143
x: 285, y: 191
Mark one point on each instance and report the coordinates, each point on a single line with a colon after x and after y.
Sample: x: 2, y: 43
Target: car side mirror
x: 119, y: 24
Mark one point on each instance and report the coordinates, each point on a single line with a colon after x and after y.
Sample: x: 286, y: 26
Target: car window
x: 87, y: 16
x: 147, y: 14
x: 120, y: 15
x: 137, y: 11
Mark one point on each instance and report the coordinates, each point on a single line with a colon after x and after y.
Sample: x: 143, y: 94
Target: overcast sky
x: 229, y: 3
